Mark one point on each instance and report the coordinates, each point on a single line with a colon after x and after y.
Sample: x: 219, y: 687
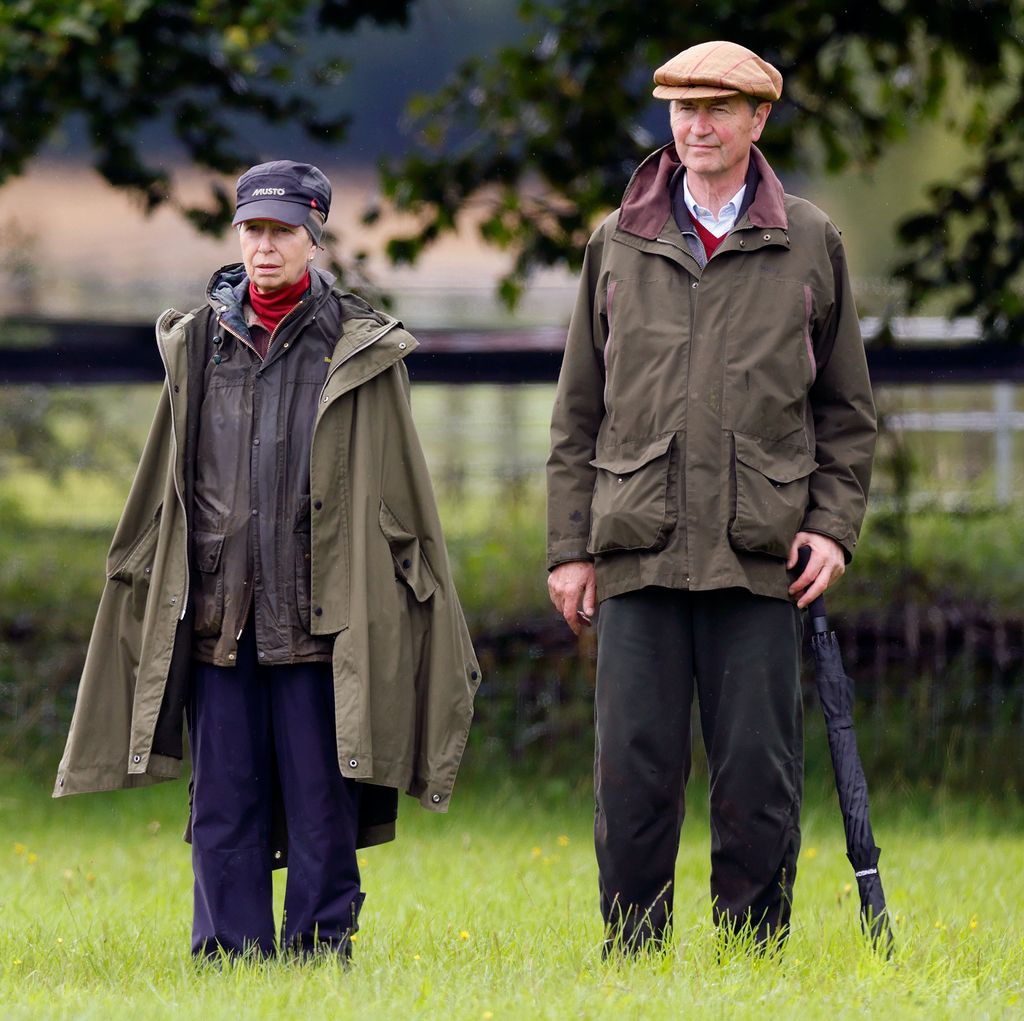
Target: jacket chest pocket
x: 770, y: 486
x: 208, y: 587
x: 634, y: 502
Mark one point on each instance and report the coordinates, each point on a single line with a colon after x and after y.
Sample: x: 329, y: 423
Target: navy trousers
x: 245, y: 723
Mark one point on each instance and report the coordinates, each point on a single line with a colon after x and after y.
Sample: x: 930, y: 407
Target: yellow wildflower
x: 17, y: 962
x: 20, y: 848
x: 488, y: 1014
x: 60, y: 939
x: 463, y: 934
x: 811, y: 852
x: 32, y: 858
x: 68, y: 875
x: 847, y: 888
x: 354, y: 936
x: 974, y: 922
x: 415, y: 957
x: 563, y: 841
x: 536, y: 852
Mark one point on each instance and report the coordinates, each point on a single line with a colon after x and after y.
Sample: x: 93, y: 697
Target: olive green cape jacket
x: 405, y: 673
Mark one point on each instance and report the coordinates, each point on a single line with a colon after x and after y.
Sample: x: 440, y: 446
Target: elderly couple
x: 278, y: 580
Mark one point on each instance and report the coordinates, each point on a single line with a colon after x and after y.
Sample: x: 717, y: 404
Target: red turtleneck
x: 273, y: 307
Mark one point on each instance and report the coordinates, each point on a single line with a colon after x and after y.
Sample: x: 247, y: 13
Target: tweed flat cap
x: 717, y: 69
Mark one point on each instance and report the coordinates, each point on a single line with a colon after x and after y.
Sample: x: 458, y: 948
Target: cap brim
x: 294, y: 214
x: 692, y: 92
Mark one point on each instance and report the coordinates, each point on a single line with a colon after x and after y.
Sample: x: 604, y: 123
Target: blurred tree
x: 206, y: 67
x: 544, y: 137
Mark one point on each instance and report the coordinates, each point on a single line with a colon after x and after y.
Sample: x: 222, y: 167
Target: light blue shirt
x: 724, y: 222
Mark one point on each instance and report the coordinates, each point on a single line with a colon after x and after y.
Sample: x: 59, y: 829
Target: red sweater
x: 709, y: 240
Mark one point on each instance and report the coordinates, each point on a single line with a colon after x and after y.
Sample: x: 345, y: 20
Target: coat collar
x: 647, y: 202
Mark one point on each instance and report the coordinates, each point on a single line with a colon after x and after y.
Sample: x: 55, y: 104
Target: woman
x: 279, y: 578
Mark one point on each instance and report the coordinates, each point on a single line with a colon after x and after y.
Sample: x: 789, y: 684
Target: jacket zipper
x: 174, y: 473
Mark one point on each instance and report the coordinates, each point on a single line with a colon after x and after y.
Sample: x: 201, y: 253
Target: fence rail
x: 52, y: 351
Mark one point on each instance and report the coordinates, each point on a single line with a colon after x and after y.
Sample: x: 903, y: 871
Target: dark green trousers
x: 741, y: 653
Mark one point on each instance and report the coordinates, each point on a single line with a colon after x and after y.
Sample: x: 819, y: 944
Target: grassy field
x: 490, y: 912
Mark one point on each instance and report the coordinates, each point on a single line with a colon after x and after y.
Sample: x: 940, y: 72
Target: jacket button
x: 136, y: 758
x: 319, y: 611
x: 318, y: 504
x: 353, y: 763
x: 60, y: 782
x: 231, y: 655
x: 436, y: 798
x: 767, y: 237
x: 406, y: 564
x: 742, y: 243
x: 473, y: 675
x: 694, y: 284
x: 277, y: 855
x: 401, y: 347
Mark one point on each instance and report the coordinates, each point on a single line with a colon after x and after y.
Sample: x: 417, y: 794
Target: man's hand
x: 570, y: 585
x: 826, y: 565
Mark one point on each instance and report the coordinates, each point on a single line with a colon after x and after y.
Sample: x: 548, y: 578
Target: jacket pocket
x: 634, y: 501
x: 770, y: 485
x: 411, y: 565
x: 135, y: 568
x: 303, y: 562
x: 208, y: 590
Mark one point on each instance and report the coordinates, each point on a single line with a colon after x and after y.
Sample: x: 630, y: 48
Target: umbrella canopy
x: 835, y: 692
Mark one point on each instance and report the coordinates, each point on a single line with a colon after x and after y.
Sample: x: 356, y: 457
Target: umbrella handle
x: 816, y: 610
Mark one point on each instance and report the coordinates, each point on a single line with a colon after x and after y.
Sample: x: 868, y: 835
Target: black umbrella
x: 835, y: 691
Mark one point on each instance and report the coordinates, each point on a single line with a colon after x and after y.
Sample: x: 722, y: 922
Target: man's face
x: 275, y: 254
x: 714, y: 136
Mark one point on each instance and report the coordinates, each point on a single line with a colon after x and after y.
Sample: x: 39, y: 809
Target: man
x: 279, y: 577
x: 713, y: 415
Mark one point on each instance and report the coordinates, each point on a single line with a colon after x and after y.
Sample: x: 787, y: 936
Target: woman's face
x: 275, y: 254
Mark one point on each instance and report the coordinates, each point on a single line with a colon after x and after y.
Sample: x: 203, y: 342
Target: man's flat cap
x: 717, y: 69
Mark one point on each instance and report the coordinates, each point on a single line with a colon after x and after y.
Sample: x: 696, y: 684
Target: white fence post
x: 1003, y: 407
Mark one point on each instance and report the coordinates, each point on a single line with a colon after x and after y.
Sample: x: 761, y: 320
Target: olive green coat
x: 404, y: 670
x: 706, y: 414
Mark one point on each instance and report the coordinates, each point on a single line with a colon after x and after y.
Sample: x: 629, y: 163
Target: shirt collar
x: 724, y: 220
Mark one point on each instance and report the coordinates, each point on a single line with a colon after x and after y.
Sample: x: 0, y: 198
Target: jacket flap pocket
x: 407, y: 553
x: 780, y: 462
x: 140, y: 553
x: 628, y: 457
x: 208, y: 546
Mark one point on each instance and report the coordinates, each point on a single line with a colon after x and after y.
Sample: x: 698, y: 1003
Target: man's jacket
x: 380, y: 587
x: 705, y: 414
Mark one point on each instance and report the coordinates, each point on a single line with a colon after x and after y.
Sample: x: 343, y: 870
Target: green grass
x: 490, y: 912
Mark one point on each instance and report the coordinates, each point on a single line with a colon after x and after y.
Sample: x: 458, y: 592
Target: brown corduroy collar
x: 647, y: 202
